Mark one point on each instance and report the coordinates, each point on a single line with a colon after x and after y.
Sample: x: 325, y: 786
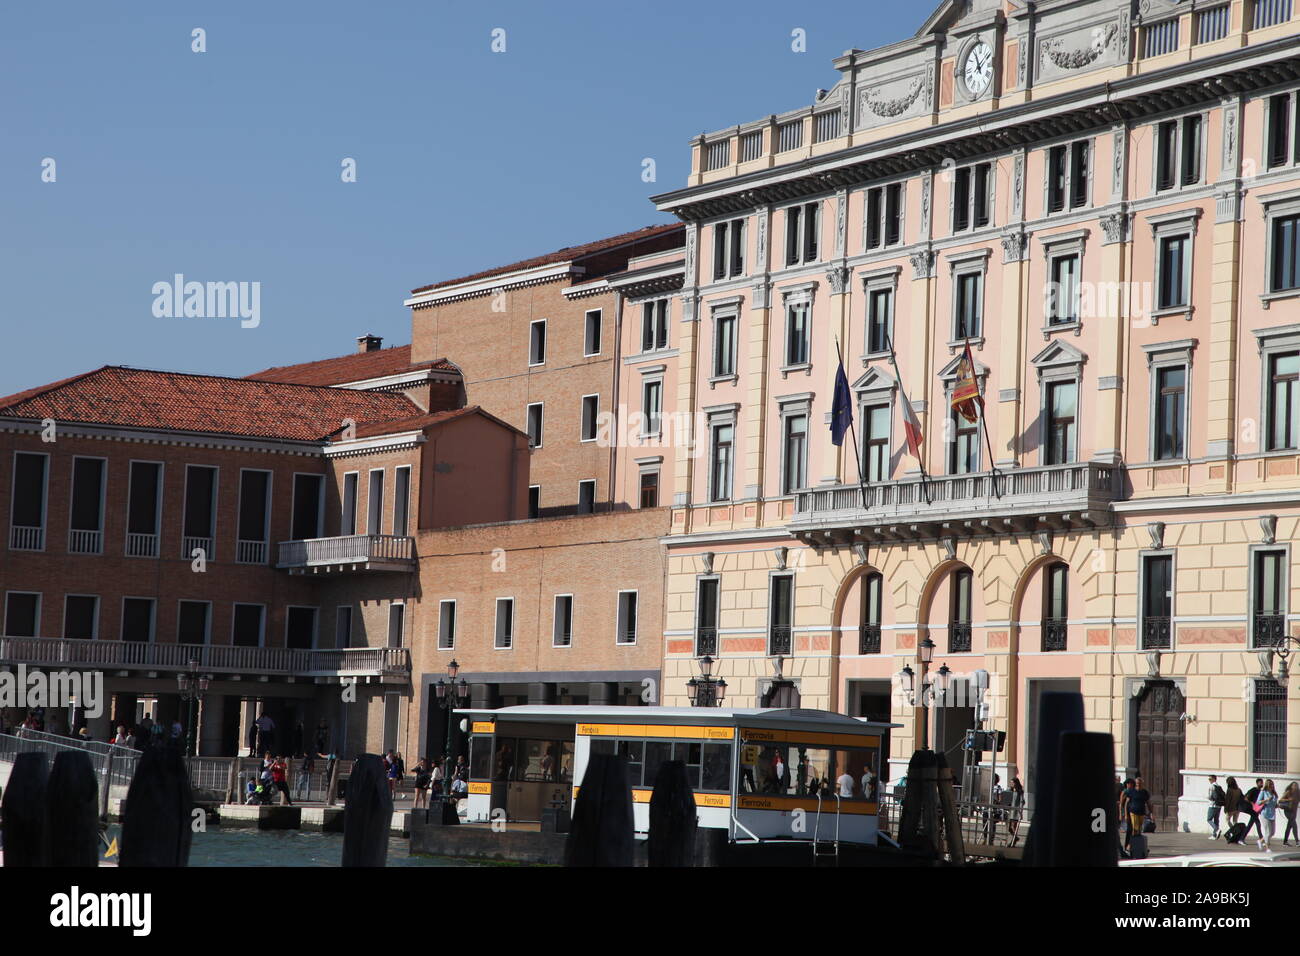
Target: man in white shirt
x: 868, y: 783
x: 846, y: 784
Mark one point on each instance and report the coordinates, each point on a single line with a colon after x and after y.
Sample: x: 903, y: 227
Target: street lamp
x: 450, y: 694
x: 192, y: 686
x: 1283, y: 651
x: 707, y: 690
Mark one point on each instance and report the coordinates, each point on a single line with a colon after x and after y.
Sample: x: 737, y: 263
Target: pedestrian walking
x: 1289, y: 803
x: 1232, y: 802
x: 1136, y: 808
x: 265, y: 732
x: 1217, y: 798
x: 280, y: 780
x: 390, y: 771
x: 1250, y: 805
x: 423, y: 777
x: 1017, y: 809
x: 1267, y: 807
x: 305, y: 771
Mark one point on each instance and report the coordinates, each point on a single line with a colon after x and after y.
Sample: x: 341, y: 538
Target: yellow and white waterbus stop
x: 758, y: 774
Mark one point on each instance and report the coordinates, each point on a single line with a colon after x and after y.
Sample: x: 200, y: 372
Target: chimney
x: 369, y: 343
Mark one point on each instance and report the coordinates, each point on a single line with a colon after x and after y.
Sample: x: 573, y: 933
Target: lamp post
x: 907, y: 679
x: 450, y: 694
x: 192, y: 686
x: 707, y: 690
x: 1283, y: 651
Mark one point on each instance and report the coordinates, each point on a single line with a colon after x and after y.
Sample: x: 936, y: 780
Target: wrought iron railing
x: 959, y: 638
x: 25, y: 538
x: 348, y: 549
x: 1055, y: 634
x: 778, y: 640
x: 85, y: 542
x: 1268, y: 629
x: 1157, y: 633
x: 191, y: 543
x: 141, y: 545
x: 706, y: 641
x: 869, y: 639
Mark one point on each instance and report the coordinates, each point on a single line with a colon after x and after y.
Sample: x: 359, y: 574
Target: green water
x: 238, y: 846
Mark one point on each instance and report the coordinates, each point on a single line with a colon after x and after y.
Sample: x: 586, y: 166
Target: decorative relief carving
x: 927, y: 182
x: 1023, y: 65
x: 838, y: 277
x: 690, y: 255
x: 1014, y: 246
x: 1123, y: 35
x: 846, y: 107
x: 1054, y: 49
x: 841, y: 223
x: 1116, y: 227
x: 1230, y: 137
x: 888, y: 109
x: 762, y: 238
x: 1018, y: 188
x: 1117, y: 170
x: 922, y: 264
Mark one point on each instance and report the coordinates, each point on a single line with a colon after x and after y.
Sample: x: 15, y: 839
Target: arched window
x: 1056, y: 606
x: 869, y: 623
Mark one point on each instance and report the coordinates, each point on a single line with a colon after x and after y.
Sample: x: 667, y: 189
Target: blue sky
x: 225, y: 165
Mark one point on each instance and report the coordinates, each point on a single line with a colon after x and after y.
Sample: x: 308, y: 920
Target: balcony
x: 1269, y: 628
x: 388, y: 665
x: 1054, y: 497
x: 1055, y: 634
x: 778, y: 641
x: 251, y: 552
x: 141, y: 545
x: 85, y: 542
x: 959, y: 638
x: 869, y: 639
x: 24, y: 538
x: 349, y: 554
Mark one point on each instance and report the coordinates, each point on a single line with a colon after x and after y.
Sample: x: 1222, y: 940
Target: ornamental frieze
x: 871, y: 101
x: 1054, y: 49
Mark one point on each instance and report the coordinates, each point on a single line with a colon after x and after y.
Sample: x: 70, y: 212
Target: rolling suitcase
x: 1236, y: 833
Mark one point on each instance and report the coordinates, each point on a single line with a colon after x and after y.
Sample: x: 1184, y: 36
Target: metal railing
x: 1268, y: 629
x: 141, y: 545
x: 1157, y: 633
x: 1055, y: 634
x: 25, y: 538
x: 85, y: 542
x: 706, y: 641
x: 869, y: 639
x: 251, y: 552
x: 118, y: 763
x: 778, y: 641
x: 959, y: 638
x: 348, y: 549
x: 191, y: 543
x: 982, y: 824
x: 143, y: 655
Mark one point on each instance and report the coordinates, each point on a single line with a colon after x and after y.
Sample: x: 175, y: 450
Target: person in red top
x: 279, y: 779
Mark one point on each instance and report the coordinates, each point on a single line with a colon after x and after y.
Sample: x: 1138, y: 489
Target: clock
x: 978, y: 71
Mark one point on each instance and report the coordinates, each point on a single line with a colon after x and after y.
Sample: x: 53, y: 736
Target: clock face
x: 979, y: 68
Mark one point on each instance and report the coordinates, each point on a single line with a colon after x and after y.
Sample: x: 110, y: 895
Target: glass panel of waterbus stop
x: 799, y: 770
x: 708, y: 765
x: 528, y: 774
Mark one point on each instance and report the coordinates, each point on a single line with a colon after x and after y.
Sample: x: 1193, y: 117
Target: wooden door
x: 1161, y: 738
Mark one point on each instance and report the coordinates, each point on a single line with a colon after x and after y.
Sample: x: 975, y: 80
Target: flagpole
x: 920, y: 458
x: 862, y: 484
x: 993, y: 468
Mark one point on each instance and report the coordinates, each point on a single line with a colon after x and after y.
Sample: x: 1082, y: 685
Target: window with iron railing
x: 626, y: 624
x: 1268, y: 727
x: 781, y: 613
x: 1056, y: 606
x: 869, y: 628
x: 1268, y: 620
x: 706, y: 617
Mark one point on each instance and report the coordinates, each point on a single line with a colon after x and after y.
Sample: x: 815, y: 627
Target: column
x: 914, y: 357
x: 212, y: 712
x: 1112, y: 312
x: 1013, y: 332
x: 834, y: 467
x: 690, y: 442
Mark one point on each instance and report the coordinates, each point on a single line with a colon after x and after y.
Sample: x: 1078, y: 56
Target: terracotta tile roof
x: 357, y: 367
x: 567, y: 254
x: 427, y: 420
x: 175, y: 401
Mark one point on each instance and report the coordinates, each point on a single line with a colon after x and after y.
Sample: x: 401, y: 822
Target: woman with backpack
x: 1232, y: 801
x: 1217, y: 798
x: 1266, y: 806
x: 1289, y: 803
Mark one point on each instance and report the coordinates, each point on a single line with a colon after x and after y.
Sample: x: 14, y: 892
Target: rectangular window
x: 138, y: 619
x: 780, y: 615
x: 706, y: 617
x: 1064, y: 305
x: 592, y: 332
x: 1062, y: 402
x: 375, y: 502
x: 875, y: 443
x: 86, y: 520
x: 300, y: 628
x: 22, y: 614
x: 1166, y: 155
x: 965, y: 455
x: 537, y: 342
x: 1078, y: 174
x: 654, y: 325
x: 1178, y: 153
x: 194, y: 622
x: 402, y: 500
x: 1286, y: 254
x: 586, y: 496
x: 534, y: 500
x: 652, y: 407
x: 1268, y: 623
x: 1283, y: 398
x: 649, y: 489
x: 348, y: 518
x: 798, y: 337
x: 751, y: 146
x: 590, y: 409
x: 1268, y: 13
x: 535, y: 425
x: 143, y: 509
x: 959, y: 612
x: 1268, y: 727
x: 826, y: 126
x: 28, y: 504
x: 720, y: 463
x: 343, y: 626
x: 446, y: 625
x: 880, y: 312
x: 1171, y: 404
x: 1157, y: 601
x: 562, y: 628
x: 396, y: 625
x: 869, y: 622
x: 884, y: 215
x: 796, y: 454
x: 246, y: 628
x: 1191, y: 150
x: 1056, y: 607
x: 1067, y: 176
x: 961, y: 200
x: 801, y: 226
x: 970, y: 305
x: 625, y: 632
x: 80, y: 617
x: 729, y: 249
x: 505, y: 628
x: 200, y: 510
x: 254, y: 516
x: 308, y: 495
x: 1173, y: 280
x: 724, y: 346
x: 1160, y: 38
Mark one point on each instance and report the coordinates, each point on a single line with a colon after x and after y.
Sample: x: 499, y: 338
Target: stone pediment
x: 949, y: 371
x: 875, y: 380
x: 950, y: 14
x: 1057, y: 354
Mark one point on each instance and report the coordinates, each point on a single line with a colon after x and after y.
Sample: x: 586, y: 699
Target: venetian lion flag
x: 965, y: 390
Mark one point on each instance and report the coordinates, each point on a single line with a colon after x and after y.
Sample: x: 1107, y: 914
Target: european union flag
x: 841, y: 407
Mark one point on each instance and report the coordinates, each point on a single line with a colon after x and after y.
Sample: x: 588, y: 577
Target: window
x: 446, y: 625
x: 343, y: 626
x: 720, y: 462
x: 246, y: 626
x: 789, y: 136
x: 751, y: 146
x: 505, y: 629
x: 1178, y: 153
x: 969, y: 294
x: 650, y: 489
x: 1056, y: 606
x: 375, y: 502
x: 308, y: 500
x: 795, y: 461
x: 959, y: 612
x: 875, y: 443
x: 1268, y: 727
x: 1157, y: 601
x: 562, y: 626
x: 1213, y: 24
x: 28, y: 502
x: 625, y: 627
x: 780, y: 615
x: 706, y: 617
x: 348, y: 520
x: 880, y: 314
x: 254, y: 517
x: 724, y: 345
x: 884, y: 219
x: 652, y: 407
x: 1062, y: 402
x: 965, y: 455
x: 586, y: 496
x: 300, y: 628
x: 143, y: 509
x: 729, y: 249
x: 534, y: 500
x: 869, y: 623
x: 138, y: 619
x: 537, y: 342
x: 591, y: 332
x: 798, y: 334
x: 80, y: 617
x: 1171, y: 410
x: 717, y: 155
x: 1160, y: 38
x: 86, y: 520
x: 654, y: 325
x: 971, y: 198
x: 1173, y: 263
x: 826, y: 126
x: 535, y: 425
x: 1285, y: 258
x: 590, y: 408
x: 194, y: 622
x: 1268, y: 621
x: 1063, y: 304
x: 801, y: 225
x: 396, y: 624
x: 401, y: 500
x: 1283, y: 396
x: 1067, y: 176
x: 1267, y: 13
x: 22, y: 614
